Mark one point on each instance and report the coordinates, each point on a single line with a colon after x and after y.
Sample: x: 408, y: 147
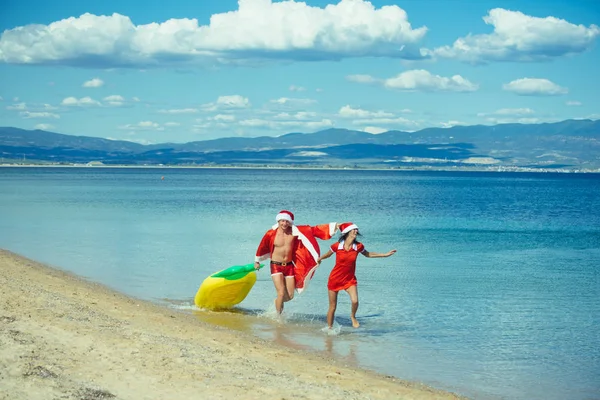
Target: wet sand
x: 62, y: 337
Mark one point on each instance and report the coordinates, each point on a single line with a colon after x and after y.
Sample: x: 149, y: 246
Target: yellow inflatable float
x: 226, y: 288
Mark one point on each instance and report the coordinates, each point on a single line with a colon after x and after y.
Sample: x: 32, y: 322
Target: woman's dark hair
x: 344, y: 235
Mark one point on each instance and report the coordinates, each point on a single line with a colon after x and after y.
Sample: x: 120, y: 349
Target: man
x: 294, y: 252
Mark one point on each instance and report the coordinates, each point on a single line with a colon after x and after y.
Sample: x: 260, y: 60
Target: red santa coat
x: 305, y: 253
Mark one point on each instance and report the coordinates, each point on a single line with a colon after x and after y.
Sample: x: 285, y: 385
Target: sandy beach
x: 62, y: 337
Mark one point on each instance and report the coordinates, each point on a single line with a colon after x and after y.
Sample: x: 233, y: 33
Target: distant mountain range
x: 570, y: 144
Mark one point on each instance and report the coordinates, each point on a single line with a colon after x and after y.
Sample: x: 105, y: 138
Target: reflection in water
x: 235, y: 318
x: 284, y: 335
x: 296, y: 331
x: 342, y: 349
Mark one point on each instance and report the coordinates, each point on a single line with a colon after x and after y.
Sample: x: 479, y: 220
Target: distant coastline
x: 494, y: 168
x: 569, y: 146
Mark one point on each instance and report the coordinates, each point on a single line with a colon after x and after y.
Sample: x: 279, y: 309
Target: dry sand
x: 62, y: 337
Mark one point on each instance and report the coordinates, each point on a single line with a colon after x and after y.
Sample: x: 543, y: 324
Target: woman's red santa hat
x: 347, y: 227
x: 285, y: 215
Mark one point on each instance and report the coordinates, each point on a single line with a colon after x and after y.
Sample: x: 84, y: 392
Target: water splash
x: 335, y: 330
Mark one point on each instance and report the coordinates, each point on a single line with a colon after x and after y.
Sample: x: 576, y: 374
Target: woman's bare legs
x: 332, y: 305
x: 353, y: 292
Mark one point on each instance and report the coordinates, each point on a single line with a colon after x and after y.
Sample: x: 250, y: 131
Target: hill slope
x: 570, y: 143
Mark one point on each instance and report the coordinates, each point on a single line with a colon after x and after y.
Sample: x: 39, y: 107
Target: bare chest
x: 283, y: 239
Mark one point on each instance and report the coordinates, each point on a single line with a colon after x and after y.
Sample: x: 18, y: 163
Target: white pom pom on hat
x: 347, y: 227
x: 285, y: 215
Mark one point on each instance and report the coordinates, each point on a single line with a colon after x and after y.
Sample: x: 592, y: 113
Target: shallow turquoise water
x: 494, y: 292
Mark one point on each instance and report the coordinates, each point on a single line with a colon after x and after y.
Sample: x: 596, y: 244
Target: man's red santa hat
x: 285, y: 215
x: 347, y: 227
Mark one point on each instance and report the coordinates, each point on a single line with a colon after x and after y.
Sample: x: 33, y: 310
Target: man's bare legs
x: 353, y: 292
x: 285, y: 291
x: 332, y: 306
x: 290, y: 284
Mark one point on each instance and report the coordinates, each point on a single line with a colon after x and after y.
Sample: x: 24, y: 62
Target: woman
x: 342, y: 276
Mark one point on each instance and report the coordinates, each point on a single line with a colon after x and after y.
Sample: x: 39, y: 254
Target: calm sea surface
x: 494, y: 292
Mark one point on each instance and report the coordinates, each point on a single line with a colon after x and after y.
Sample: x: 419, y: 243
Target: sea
x: 494, y: 292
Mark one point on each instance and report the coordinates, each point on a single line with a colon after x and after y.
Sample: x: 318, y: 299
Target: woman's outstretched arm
x: 324, y: 256
x: 371, y: 254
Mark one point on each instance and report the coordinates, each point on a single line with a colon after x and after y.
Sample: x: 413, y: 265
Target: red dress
x: 343, y: 275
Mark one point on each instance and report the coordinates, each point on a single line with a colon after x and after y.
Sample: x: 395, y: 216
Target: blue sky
x: 187, y: 70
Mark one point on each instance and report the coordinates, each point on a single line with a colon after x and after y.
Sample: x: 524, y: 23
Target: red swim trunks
x: 287, y: 269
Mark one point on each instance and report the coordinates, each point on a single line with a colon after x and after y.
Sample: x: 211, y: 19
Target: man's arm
x: 325, y: 231
x: 264, y: 249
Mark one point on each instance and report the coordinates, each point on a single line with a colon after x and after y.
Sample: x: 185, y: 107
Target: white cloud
x: 32, y: 107
x: 171, y: 124
x: 278, y: 125
x: 513, y: 116
x: 28, y: 114
x: 348, y: 112
x: 257, y: 30
x: 422, y: 80
x: 114, y: 100
x: 361, y: 78
x: 374, y: 129
x: 256, y: 122
x: 143, y: 126
x: 43, y: 127
x: 398, y: 121
x: 235, y: 101
x: 292, y: 101
x: 373, y: 120
x: 201, y: 125
x: 17, y: 106
x: 299, y: 116
x: 223, y: 117
x: 179, y: 111
x: 419, y: 80
x: 508, y: 120
x: 1, y: 98
x: 450, y: 124
x: 286, y: 105
x: 82, y: 102
x: 573, y: 103
x: 509, y: 111
x: 282, y: 122
x: 534, y: 87
x: 148, y: 124
x: 93, y: 83
x: 227, y: 103
x: 514, y: 111
x: 593, y: 116
x: 281, y: 100
x: 136, y: 99
x: 520, y: 37
x: 216, y: 121
x: 294, y: 88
